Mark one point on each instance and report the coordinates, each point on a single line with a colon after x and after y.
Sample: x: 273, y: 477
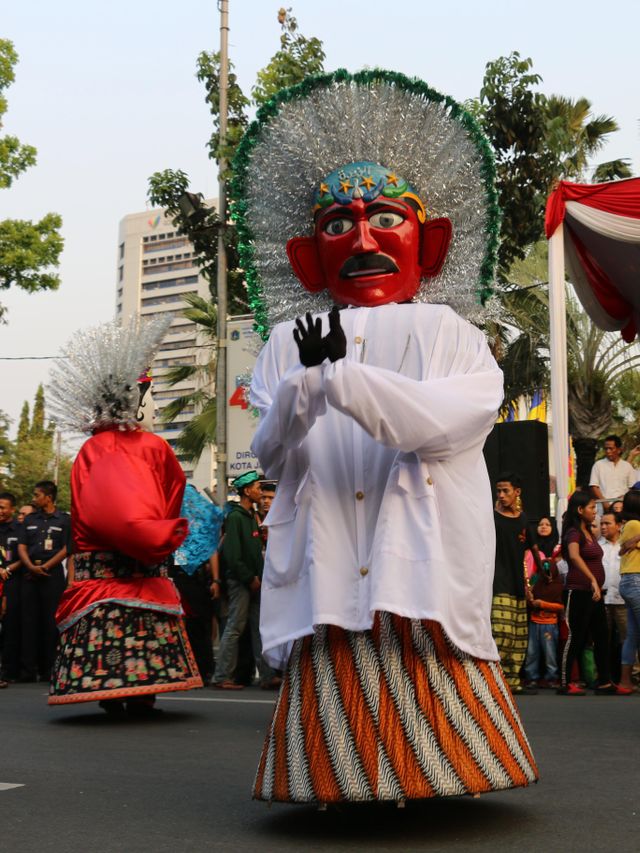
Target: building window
x: 170, y: 362
x: 173, y: 394
x: 120, y: 273
x: 165, y: 300
x: 178, y: 315
x: 187, y: 410
x: 181, y: 329
x: 173, y: 427
x: 178, y: 243
x: 169, y: 282
x: 166, y: 267
x: 121, y: 251
x: 171, y: 345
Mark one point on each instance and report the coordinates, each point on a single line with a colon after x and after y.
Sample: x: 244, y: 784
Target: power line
x: 62, y: 357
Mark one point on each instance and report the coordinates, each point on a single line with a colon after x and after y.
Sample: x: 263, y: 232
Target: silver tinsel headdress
x: 93, y: 384
x: 307, y: 131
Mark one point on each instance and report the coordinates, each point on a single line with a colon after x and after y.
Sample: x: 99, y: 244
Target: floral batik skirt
x: 119, y: 645
x: 395, y: 713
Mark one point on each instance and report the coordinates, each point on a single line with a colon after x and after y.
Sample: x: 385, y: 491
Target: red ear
x: 303, y: 257
x: 436, y: 236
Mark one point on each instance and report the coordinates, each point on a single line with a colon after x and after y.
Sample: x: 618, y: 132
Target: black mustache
x: 371, y: 262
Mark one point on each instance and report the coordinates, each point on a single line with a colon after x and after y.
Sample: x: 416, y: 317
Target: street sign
x: 242, y: 350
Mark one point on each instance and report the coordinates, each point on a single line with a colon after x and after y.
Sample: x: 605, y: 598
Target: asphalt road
x: 182, y: 782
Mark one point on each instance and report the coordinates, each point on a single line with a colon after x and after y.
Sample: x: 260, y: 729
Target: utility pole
x: 56, y: 469
x: 221, y: 366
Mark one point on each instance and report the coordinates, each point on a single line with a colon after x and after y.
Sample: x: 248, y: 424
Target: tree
x: 202, y: 427
x: 596, y: 362
x: 537, y: 140
x: 297, y: 57
x: 579, y: 136
x: 37, y: 427
x: 626, y: 400
x: 24, y: 424
x: 29, y: 251
x: 513, y: 116
x: 33, y: 456
x: 612, y: 170
x: 6, y: 446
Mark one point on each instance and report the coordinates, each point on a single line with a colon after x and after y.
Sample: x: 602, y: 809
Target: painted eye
x: 338, y: 226
x: 386, y: 219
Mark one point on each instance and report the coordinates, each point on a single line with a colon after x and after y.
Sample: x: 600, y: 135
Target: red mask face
x: 369, y: 254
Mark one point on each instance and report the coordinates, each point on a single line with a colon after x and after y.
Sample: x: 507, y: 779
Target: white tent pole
x: 558, y: 344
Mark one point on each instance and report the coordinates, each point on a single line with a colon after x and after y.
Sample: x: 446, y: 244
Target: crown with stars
x: 366, y: 180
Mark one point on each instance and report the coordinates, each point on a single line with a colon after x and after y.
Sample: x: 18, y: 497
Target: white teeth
x: 367, y: 272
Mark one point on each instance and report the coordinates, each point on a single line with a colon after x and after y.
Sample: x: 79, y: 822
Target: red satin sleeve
x: 127, y: 491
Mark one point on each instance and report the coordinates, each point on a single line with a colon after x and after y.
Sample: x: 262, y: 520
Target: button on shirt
x: 613, y: 479
x: 40, y: 527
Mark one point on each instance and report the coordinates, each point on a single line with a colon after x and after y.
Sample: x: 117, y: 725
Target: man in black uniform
x: 44, y: 539
x: 10, y: 575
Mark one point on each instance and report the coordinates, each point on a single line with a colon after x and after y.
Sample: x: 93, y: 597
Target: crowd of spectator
x: 565, y: 613
x: 570, y: 619
x: 34, y: 542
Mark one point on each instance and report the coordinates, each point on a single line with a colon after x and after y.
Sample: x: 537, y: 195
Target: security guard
x: 11, y: 575
x: 44, y: 540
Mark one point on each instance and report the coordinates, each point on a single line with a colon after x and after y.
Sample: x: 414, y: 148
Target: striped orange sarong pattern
x: 394, y: 713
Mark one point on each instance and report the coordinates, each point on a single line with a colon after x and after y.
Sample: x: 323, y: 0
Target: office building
x: 155, y: 269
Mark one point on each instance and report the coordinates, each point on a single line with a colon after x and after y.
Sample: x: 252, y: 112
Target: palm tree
x: 596, y: 361
x: 612, y: 170
x: 201, y: 429
x: 580, y: 136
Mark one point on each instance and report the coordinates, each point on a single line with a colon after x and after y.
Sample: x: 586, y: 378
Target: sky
x: 107, y: 93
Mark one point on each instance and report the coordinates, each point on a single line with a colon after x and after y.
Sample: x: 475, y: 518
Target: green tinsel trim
x: 364, y: 78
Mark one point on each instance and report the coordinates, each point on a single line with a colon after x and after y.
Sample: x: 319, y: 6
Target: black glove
x: 309, y: 341
x: 335, y: 343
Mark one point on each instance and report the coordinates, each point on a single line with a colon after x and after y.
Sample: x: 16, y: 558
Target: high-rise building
x: 156, y: 268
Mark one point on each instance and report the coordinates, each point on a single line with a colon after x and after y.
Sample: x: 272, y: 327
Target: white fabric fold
x: 622, y: 228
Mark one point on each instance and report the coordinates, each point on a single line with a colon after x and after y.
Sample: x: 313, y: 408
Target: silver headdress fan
x: 311, y: 129
x: 93, y: 384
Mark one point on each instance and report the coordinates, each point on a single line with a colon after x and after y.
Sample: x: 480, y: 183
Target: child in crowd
x: 546, y: 605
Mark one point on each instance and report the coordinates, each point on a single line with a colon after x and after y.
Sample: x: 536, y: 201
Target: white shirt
x: 613, y: 479
x: 383, y: 500
x: 611, y: 563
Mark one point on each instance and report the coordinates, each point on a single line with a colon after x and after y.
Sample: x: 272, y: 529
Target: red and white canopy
x: 593, y: 229
x: 601, y: 224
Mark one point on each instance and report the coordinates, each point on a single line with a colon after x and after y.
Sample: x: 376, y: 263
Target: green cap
x: 245, y: 479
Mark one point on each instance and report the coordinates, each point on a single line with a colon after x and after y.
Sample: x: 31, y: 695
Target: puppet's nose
x: 364, y: 240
